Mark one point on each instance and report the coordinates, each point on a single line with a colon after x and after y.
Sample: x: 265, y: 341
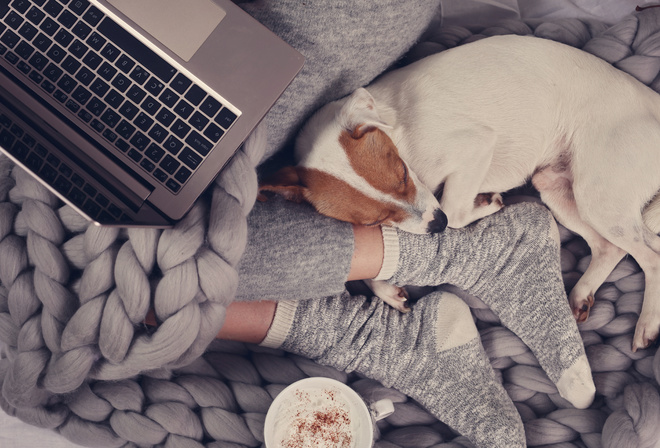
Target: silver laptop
x: 128, y: 109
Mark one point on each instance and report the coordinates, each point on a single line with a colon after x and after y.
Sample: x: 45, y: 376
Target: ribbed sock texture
x: 510, y: 260
x: 432, y: 354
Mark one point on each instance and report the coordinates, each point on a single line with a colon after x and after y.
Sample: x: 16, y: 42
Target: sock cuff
x: 390, y: 253
x: 282, y: 322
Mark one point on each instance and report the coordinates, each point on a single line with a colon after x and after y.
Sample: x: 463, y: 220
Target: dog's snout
x: 439, y: 222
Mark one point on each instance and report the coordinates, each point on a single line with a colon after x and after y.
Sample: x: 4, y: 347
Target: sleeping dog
x: 481, y: 119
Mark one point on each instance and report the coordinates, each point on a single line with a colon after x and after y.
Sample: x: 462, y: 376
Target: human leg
x: 510, y: 260
x: 432, y: 354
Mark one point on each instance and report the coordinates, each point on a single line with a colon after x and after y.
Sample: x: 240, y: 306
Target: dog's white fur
x: 486, y: 117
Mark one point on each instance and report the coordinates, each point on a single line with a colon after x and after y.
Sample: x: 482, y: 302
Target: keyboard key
x: 173, y: 185
x: 97, y: 125
x: 199, y: 143
x: 96, y: 106
x: 20, y: 5
x: 169, y: 98
x: 213, y: 133
x: 129, y: 110
x: 49, y: 26
x: 35, y: 15
x: 150, y: 105
x: 135, y: 155
x: 62, y: 185
x: 180, y: 83
x: 114, y: 98
x: 56, y: 53
x: 79, y: 6
x: 66, y: 19
x: 28, y: 31
x: 125, y: 129
x: 91, y: 208
x: 183, y: 174
x: 124, y: 63
x: 147, y: 164
x: 136, y: 94
x: 78, y: 49
x: 180, y: 128
x: 96, y: 41
x: 165, y: 117
x: 110, y: 52
x: 121, y: 82
x: 99, y: 87
x: 81, y: 30
x: 36, y: 77
x: 85, y: 116
x: 48, y: 86
x: 71, y: 65
x: 12, y: 57
x: 67, y: 83
x: 106, y: 71
x: 190, y: 158
x: 85, y: 76
x: 63, y: 37
x: 210, y: 106
x: 140, y: 141
x: 53, y: 72
x: 195, y: 95
x: 72, y: 106
x: 102, y: 200
x: 13, y: 20
x: 169, y: 164
x: 76, y: 196
x: 154, y: 86
x: 53, y: 160
x: 139, y: 75
x: 173, y: 145
x: 23, y: 67
x: 42, y: 42
x: 33, y: 161
x: 111, y: 118
x: 158, y: 133
x: 65, y: 170
x: 143, y: 121
x: 53, y: 8
x: 225, y: 118
x: 81, y: 95
x: 60, y: 96
x: 160, y: 175
x: 183, y: 109
x: 122, y: 145
x: 48, y: 173
x: 198, y: 121
x: 93, y: 16
x: 10, y: 39
x: 109, y: 135
x: 92, y: 60
x: 154, y: 152
x: 24, y: 50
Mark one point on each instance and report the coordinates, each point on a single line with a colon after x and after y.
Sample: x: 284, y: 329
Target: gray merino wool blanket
x: 79, y: 360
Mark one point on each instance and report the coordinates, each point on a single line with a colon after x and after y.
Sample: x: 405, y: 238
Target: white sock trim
x: 282, y: 322
x: 390, y: 253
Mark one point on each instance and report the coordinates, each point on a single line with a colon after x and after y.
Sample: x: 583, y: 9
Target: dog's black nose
x: 439, y: 222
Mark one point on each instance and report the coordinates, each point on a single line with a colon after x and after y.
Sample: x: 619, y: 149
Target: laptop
x: 129, y: 109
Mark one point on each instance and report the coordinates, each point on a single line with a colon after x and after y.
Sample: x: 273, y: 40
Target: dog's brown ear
x: 285, y: 182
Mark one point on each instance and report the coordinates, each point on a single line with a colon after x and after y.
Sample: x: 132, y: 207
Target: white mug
x: 322, y: 409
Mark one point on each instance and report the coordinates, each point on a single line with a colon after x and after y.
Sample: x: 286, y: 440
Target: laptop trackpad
x: 182, y: 26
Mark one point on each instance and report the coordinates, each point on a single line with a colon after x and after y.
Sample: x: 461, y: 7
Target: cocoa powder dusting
x: 328, y: 428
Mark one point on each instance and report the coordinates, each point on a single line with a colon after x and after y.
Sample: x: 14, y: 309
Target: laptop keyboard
x: 57, y: 173
x: 120, y: 89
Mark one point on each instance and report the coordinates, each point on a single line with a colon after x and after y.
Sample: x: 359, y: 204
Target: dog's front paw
x: 580, y: 305
x: 646, y: 331
x: 394, y: 296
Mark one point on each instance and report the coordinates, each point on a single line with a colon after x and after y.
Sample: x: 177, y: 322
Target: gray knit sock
x: 510, y: 260
x: 432, y: 354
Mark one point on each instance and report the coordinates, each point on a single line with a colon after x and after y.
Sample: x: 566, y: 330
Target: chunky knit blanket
x: 79, y: 360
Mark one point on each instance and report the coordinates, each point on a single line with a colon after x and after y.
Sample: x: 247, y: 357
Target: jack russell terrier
x: 484, y: 118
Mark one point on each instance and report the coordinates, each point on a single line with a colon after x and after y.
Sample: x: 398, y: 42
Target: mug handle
x: 381, y: 409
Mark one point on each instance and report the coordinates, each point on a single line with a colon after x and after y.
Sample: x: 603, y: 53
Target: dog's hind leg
x: 556, y: 189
